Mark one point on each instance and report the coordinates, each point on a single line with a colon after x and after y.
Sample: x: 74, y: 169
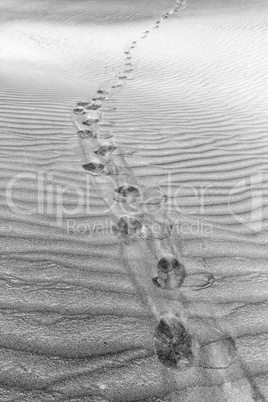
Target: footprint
x: 127, y: 52
x: 173, y: 344
x: 79, y: 111
x: 105, y: 136
x: 90, y: 122
x: 128, y: 58
x: 104, y: 150
x: 93, y: 106
x: 83, y: 103
x: 94, y: 167
x: 134, y: 42
x: 97, y: 98
x: 128, y: 71
x: 122, y: 77
x: 127, y: 227
x: 171, y: 273
x: 126, y: 191
x: 86, y: 134
x: 102, y: 91
x: 132, y: 47
x: 129, y: 64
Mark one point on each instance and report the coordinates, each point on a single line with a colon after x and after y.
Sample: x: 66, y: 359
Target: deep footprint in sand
x: 198, y: 343
x: 171, y: 273
x: 173, y: 344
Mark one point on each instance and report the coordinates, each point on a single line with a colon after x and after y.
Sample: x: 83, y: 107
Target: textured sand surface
x: 186, y: 112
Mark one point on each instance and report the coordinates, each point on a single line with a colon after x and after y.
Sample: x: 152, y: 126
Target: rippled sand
x: 87, y: 308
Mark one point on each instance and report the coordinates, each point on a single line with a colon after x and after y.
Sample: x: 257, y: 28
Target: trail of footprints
x: 140, y: 214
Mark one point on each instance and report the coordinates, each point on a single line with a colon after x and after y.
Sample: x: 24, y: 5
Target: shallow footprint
x: 94, y: 167
x: 146, y: 196
x: 105, y: 150
x: 128, y: 191
x: 93, y: 106
x: 102, y: 92
x: 105, y: 136
x: 127, y: 227
x: 83, y: 103
x: 98, y: 98
x: 79, y: 110
x: 216, y: 349
x: 86, y: 134
x: 89, y: 122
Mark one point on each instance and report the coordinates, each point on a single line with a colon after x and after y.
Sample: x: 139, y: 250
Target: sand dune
x: 133, y: 201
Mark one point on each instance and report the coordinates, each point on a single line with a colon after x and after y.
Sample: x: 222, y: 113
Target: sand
x: 133, y: 201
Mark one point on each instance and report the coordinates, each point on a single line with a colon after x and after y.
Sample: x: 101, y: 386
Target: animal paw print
x: 127, y: 227
x: 170, y: 273
x: 173, y: 344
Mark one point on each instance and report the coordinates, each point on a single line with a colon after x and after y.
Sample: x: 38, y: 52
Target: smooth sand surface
x: 181, y: 115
